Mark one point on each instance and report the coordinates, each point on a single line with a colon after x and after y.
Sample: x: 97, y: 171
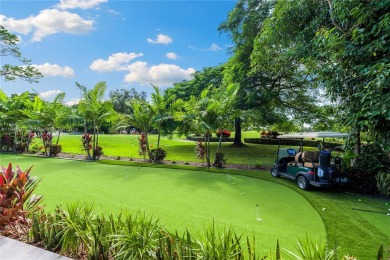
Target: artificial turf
x: 359, y: 233
x: 181, y: 199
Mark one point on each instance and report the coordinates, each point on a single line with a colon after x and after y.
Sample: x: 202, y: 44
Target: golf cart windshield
x: 286, y: 152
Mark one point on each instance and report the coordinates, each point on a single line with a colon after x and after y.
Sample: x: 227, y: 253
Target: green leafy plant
x: 137, y: 237
x: 309, y: 250
x: 98, y: 152
x: 55, y: 149
x: 220, y: 244
x: 383, y: 183
x: 200, y: 150
x: 219, y: 160
x: 158, y: 154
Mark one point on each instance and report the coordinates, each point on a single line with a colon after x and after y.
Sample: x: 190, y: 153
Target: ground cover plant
x: 348, y: 219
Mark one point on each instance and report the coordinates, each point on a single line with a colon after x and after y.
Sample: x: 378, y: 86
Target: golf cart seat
x: 310, y: 159
x: 297, y: 160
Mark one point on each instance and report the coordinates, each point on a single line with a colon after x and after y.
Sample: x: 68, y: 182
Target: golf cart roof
x: 314, y: 135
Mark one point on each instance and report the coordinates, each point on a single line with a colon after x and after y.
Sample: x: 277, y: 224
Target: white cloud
x: 49, y: 93
x: 47, y: 22
x: 162, y: 74
x: 161, y: 39
x: 117, y: 61
x: 214, y: 47
x: 53, y: 70
x: 82, y: 4
x: 73, y: 101
x: 172, y: 56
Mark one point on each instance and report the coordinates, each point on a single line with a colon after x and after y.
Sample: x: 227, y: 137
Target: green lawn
x: 111, y: 187
x: 178, y: 149
x: 181, y: 199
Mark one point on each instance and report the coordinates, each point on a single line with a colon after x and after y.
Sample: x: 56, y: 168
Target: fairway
x: 180, y: 199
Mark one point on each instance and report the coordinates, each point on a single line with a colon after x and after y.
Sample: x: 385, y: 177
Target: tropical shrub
x: 46, y: 139
x: 158, y: 154
x: 383, y: 183
x: 200, y: 150
x: 55, y: 149
x: 98, y: 152
x: 16, y: 198
x: 6, y: 142
x: 86, y: 141
x: 219, y: 160
x: 371, y: 161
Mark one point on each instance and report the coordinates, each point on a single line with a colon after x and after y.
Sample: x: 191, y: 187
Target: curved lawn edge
x: 345, y: 230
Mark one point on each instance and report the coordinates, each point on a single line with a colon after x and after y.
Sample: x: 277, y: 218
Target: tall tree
x: 120, y: 98
x: 8, y: 47
x: 243, y: 25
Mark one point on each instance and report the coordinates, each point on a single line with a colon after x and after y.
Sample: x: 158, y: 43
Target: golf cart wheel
x: 274, y: 173
x: 303, y: 183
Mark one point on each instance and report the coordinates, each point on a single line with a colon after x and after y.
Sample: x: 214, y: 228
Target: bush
x: 158, y: 154
x: 371, y: 161
x: 97, y: 152
x: 219, y: 160
x: 55, y: 149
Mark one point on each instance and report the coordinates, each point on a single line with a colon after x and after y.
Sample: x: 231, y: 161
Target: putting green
x: 180, y: 199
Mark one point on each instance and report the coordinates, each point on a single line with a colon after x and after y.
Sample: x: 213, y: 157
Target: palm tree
x: 200, y: 115
x: 163, y: 107
x: 95, y: 111
x: 142, y: 118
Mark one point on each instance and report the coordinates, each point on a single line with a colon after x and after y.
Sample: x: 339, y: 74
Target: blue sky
x: 125, y: 43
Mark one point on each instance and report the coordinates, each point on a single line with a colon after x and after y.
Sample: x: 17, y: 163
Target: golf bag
x: 325, y: 171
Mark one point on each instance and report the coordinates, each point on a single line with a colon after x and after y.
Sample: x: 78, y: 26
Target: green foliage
x: 158, y: 154
x: 220, y: 244
x: 97, y: 152
x: 219, y: 160
x: 8, y: 43
x: 383, y: 183
x: 309, y: 250
x: 55, y: 149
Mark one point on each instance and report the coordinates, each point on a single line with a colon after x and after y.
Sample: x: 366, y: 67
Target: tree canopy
x: 9, y: 48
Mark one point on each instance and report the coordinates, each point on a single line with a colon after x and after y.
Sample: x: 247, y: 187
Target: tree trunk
x: 237, y: 136
x: 58, y: 136
x: 207, y: 142
x: 220, y: 141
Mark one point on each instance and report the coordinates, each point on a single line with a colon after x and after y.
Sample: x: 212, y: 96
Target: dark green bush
x: 158, y: 154
x: 219, y: 160
x: 55, y: 149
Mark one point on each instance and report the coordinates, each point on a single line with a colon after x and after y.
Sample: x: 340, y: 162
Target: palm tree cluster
x: 28, y: 114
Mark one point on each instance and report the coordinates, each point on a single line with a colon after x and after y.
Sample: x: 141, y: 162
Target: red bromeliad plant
x: 142, y: 145
x: 16, y: 198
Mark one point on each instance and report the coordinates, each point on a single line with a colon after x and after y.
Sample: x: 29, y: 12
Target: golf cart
x: 308, y: 168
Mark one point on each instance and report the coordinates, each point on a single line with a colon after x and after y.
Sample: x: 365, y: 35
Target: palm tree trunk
x: 50, y: 139
x: 58, y: 137
x: 220, y: 141
x: 207, y: 142
x: 147, y: 147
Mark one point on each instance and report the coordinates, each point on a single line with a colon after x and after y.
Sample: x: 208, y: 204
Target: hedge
x: 212, y: 139
x: 293, y: 142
